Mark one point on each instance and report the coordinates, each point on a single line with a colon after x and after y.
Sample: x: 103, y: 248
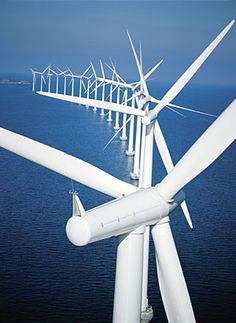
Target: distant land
x: 13, y: 81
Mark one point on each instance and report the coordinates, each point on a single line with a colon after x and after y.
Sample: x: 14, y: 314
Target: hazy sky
x: 37, y: 32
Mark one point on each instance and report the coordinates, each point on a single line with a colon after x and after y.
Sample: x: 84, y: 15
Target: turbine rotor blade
x: 212, y: 143
x: 188, y: 74
x: 94, y: 72
x: 175, y: 106
x: 118, y: 77
x: 140, y: 56
x: 153, y: 70
x: 143, y: 82
x: 82, y: 82
x: 95, y: 103
x: 64, y: 164
x: 43, y: 78
x: 191, y: 110
x: 116, y: 133
x: 172, y: 283
x: 102, y: 69
x: 96, y: 87
x: 147, y: 76
x: 173, y: 110
x: 167, y: 161
x: 87, y: 69
x: 48, y: 67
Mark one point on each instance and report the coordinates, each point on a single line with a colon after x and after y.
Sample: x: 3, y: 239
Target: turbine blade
x: 140, y: 56
x: 167, y: 161
x: 154, y: 100
x: 69, y: 84
x: 171, y: 279
x: 116, y: 134
x: 96, y: 87
x: 69, y: 70
x: 64, y: 164
x: 110, y: 94
x: 48, y: 67
x: 152, y: 70
x: 143, y: 82
x: 212, y: 143
x: 173, y: 110
x: 119, y: 78
x: 94, y: 72
x: 90, y: 85
x: 82, y: 81
x: 188, y: 74
x: 87, y: 69
x: 95, y: 103
x: 102, y: 69
x: 191, y: 110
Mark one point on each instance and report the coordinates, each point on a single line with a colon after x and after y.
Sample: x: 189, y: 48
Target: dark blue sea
x: 43, y: 277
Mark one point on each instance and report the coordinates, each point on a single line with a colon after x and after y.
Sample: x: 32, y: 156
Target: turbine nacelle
x: 123, y: 215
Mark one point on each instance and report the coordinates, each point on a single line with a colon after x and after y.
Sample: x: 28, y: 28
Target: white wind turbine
x: 88, y: 83
x: 95, y: 86
x: 109, y: 119
x: 42, y: 78
x: 135, y: 210
x: 65, y: 78
x: 103, y: 87
x: 72, y: 81
x: 81, y: 82
x: 51, y: 72
x: 34, y: 78
x: 57, y: 82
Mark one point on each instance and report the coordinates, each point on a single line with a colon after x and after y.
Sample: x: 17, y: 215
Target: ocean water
x: 44, y: 278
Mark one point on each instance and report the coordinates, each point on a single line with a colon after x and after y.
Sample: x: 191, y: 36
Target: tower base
x: 129, y: 153
x: 133, y: 175
x: 147, y: 316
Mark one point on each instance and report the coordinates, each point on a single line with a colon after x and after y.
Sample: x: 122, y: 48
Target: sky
x: 38, y: 32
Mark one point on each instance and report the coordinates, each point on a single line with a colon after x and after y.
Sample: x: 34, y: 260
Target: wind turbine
x: 95, y: 88
x: 103, y: 87
x: 65, y: 78
x: 88, y: 82
x: 51, y: 72
x: 135, y: 210
x: 72, y: 81
x: 109, y: 119
x: 57, y: 82
x: 34, y: 79
x: 42, y: 79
